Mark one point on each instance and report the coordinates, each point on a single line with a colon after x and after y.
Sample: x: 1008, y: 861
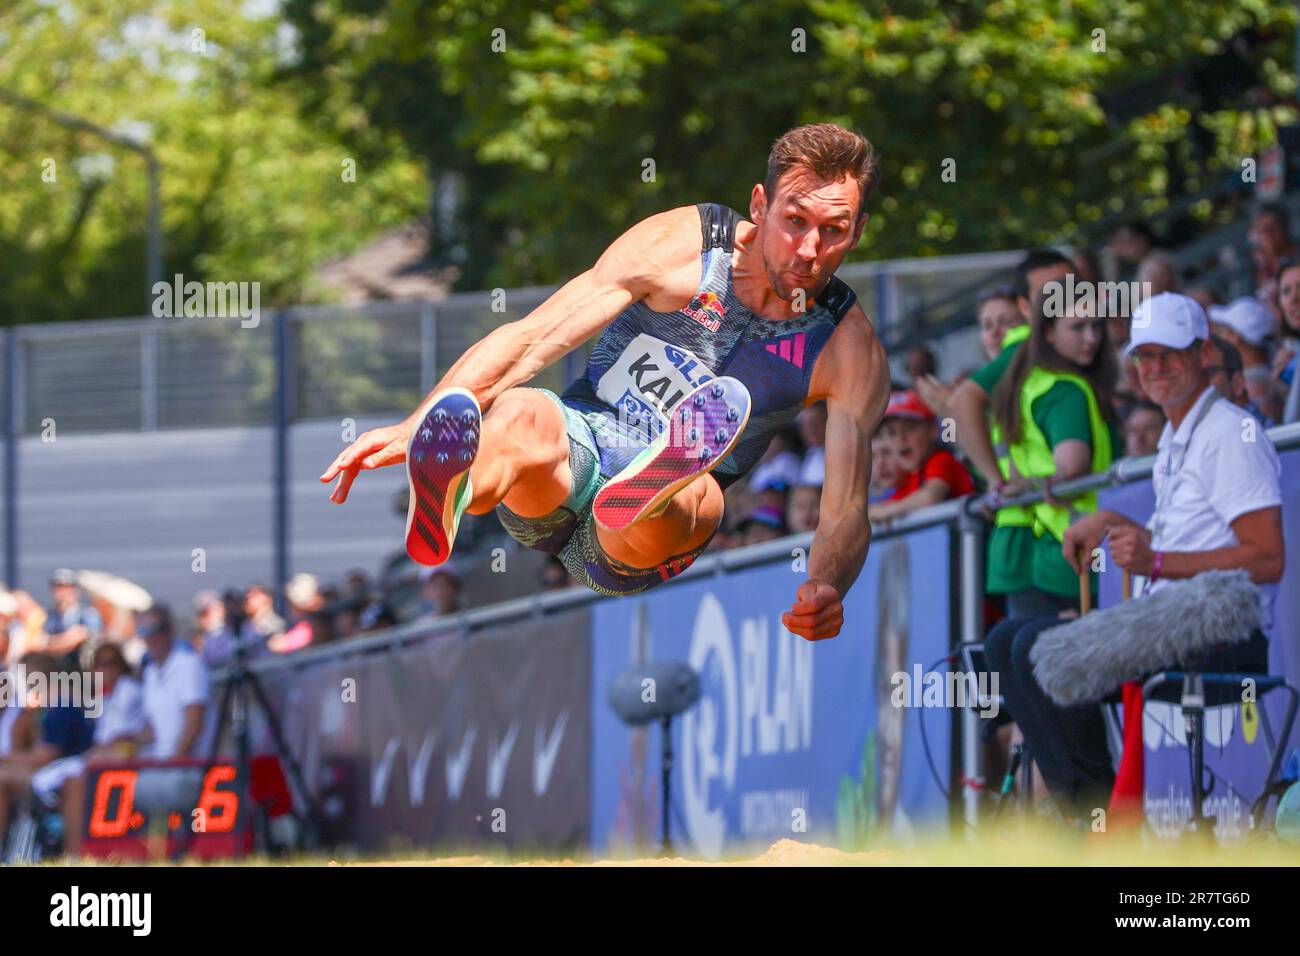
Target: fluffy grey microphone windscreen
x: 1090, y: 657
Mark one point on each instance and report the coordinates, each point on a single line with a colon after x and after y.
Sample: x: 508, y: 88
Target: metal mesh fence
x: 213, y: 374
x: 345, y: 361
x: 353, y: 363
x: 89, y: 382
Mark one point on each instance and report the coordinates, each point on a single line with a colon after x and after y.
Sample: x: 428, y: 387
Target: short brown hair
x: 831, y: 152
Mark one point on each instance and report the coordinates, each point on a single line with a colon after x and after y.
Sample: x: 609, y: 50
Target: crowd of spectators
x: 74, y: 694
x: 152, y: 672
x: 1072, y: 389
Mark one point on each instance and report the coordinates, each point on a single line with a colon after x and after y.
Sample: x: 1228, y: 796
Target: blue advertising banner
x: 789, y: 738
x: 1236, y: 753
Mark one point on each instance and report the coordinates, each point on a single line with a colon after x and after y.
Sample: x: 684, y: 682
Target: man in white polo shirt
x: 1217, y: 476
x: 175, y: 690
x: 1218, y: 505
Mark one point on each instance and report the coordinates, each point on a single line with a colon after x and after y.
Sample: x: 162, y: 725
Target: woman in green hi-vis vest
x: 1052, y: 421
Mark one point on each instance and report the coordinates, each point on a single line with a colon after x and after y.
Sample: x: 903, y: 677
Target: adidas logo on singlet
x: 788, y: 347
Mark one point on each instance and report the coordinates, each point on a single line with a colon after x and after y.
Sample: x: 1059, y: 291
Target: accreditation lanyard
x: 1173, y: 478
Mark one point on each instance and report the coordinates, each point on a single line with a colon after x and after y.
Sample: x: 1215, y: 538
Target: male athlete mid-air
x: 714, y: 333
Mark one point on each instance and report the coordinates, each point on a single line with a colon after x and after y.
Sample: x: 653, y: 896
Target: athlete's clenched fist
x: 817, y: 612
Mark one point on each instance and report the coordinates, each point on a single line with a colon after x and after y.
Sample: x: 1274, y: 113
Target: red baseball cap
x: 908, y: 405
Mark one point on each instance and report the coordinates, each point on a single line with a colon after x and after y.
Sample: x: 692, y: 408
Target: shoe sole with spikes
x: 702, y: 430
x: 438, y: 457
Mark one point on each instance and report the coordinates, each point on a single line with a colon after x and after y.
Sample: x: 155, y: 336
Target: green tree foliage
x: 252, y: 188
x: 551, y: 132
x: 536, y: 122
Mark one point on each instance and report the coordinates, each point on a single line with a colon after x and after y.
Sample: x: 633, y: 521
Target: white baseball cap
x: 302, y: 588
x: 1169, y: 319
x: 1245, y: 316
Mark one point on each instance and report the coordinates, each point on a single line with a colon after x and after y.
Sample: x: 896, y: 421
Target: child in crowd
x: 804, y: 509
x: 775, y: 474
x: 1142, y: 429
x: 929, y: 474
x: 884, y: 467
x: 764, y: 523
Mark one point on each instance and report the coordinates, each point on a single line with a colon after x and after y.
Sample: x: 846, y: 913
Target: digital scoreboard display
x: 144, y: 810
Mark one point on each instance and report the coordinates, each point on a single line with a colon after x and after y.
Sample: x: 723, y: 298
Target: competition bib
x: 649, y: 378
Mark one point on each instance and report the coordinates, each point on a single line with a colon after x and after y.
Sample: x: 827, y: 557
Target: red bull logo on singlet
x: 707, y: 309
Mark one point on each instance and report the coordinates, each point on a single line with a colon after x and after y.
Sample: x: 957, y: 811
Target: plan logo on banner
x: 738, y: 719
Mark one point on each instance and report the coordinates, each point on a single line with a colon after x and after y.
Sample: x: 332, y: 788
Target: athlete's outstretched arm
x: 632, y: 268
x: 857, y: 392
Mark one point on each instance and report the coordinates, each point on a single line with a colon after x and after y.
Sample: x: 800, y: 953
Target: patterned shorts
x: 570, y: 531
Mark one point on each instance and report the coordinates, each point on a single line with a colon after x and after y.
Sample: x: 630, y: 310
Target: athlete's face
x: 806, y: 230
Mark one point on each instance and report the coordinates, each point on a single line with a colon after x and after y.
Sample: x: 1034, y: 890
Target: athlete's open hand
x: 816, y: 613
x: 376, y: 448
